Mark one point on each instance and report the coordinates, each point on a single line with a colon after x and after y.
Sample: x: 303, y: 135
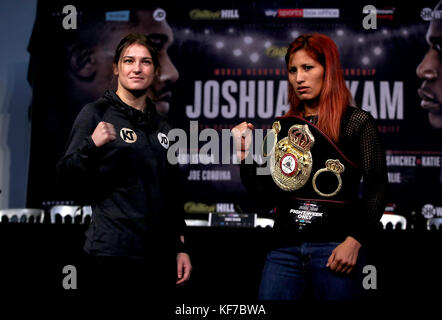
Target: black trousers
x: 145, y: 287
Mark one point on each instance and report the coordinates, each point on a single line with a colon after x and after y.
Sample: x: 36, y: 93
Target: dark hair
x: 335, y: 96
x: 141, y: 39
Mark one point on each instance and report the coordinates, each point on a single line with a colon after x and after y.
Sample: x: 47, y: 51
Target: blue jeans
x: 300, y: 272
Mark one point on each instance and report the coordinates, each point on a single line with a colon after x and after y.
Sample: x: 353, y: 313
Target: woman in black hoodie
x: 117, y: 160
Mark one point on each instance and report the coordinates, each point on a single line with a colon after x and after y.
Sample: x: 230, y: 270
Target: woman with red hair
x: 318, y: 152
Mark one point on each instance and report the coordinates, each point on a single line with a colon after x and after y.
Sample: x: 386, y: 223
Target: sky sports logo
x: 302, y: 13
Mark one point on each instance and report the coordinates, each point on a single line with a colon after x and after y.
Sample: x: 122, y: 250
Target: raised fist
x: 103, y: 133
x: 242, y: 137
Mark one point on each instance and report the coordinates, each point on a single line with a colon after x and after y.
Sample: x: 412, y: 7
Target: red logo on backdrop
x: 290, y: 13
x: 385, y: 13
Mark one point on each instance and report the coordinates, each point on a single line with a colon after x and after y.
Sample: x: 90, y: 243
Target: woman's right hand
x: 104, y: 133
x: 242, y: 137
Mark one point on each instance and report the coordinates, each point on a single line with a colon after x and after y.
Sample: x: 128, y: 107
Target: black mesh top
x: 361, y: 143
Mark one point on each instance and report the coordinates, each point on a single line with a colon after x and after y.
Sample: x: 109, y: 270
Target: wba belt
x: 313, y: 173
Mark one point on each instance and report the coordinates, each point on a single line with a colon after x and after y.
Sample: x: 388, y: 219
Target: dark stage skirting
x: 227, y: 262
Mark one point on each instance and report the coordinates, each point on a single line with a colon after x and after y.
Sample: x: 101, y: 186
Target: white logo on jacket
x: 128, y: 135
x: 163, y: 139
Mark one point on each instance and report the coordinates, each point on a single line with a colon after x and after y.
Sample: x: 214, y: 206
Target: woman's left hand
x: 344, y: 256
x: 184, y: 267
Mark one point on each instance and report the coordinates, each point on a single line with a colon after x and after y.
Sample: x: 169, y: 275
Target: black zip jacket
x: 131, y: 186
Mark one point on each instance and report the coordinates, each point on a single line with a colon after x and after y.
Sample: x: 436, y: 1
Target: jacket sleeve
x: 375, y: 181
x: 77, y: 170
x: 175, y: 206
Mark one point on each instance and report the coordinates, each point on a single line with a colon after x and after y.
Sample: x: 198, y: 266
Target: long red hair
x: 335, y: 96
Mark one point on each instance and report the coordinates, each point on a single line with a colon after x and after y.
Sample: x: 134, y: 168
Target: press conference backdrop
x: 16, y: 22
x: 225, y: 64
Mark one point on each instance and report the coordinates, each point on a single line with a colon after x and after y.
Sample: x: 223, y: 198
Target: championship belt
x: 321, y: 181
x: 291, y: 160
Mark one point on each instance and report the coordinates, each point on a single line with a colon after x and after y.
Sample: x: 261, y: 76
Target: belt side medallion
x: 335, y: 167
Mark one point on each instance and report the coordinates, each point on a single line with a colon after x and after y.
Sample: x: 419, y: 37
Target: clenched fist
x: 242, y: 137
x: 103, y: 133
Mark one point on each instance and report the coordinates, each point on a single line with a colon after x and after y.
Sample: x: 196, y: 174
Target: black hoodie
x: 133, y: 190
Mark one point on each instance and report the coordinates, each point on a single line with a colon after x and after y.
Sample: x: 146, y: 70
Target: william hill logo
x: 276, y: 52
x: 223, y: 14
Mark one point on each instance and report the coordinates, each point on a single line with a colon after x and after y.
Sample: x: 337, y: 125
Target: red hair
x: 335, y: 96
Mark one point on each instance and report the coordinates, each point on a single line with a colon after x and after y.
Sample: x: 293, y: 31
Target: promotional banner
x: 223, y: 63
